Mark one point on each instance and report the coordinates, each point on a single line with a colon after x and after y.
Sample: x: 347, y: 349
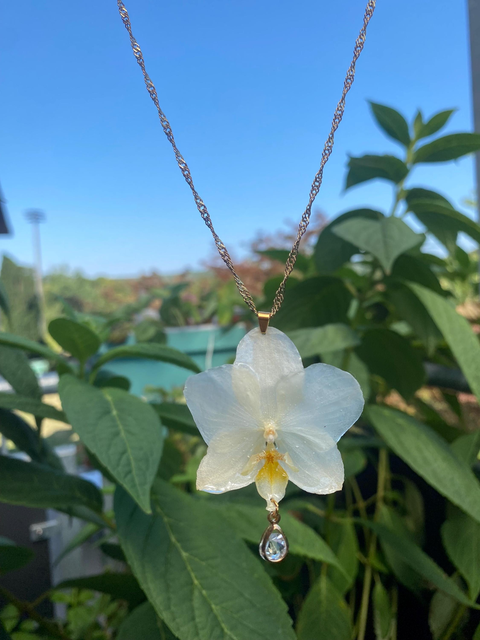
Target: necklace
x: 265, y: 418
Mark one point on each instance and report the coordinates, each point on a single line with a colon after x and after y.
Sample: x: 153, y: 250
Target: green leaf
x: 382, y: 612
x: 314, y: 302
x: 75, y: 338
x: 391, y: 356
x: 34, y: 485
x: 344, y: 543
x: 15, y: 368
x: 403, y: 572
x: 414, y: 269
x: 120, y: 586
x: 461, y: 539
x: 106, y: 379
x: 331, y: 251
x: 113, y: 551
x: 85, y: 533
x: 370, y: 167
x: 410, y: 309
x: 441, y: 228
x: 419, y: 561
x: 3, y: 634
x: 436, y: 122
x: 185, y: 548
x: 441, y: 614
x: 120, y: 429
x: 4, y: 305
x: 445, y: 216
x: 20, y: 433
x: 429, y: 456
x: 331, y: 337
x: 11, y: 340
x: 143, y: 623
x: 417, y: 124
x: 386, y: 239
x: 457, y: 332
x: 249, y: 523
x: 354, y: 461
x: 14, y: 402
x: 302, y: 263
x: 149, y: 351
x: 13, y: 557
x: 324, y: 614
x: 467, y: 447
x: 392, y: 122
x: 176, y: 416
x: 476, y: 635
x: 448, y: 148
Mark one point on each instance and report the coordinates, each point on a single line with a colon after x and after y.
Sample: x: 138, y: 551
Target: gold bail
x: 263, y: 320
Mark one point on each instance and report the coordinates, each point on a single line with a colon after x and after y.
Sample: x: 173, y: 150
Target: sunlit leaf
x: 12, y: 401
x: 331, y: 337
x: 75, y: 338
x: 436, y: 122
x: 15, y: 368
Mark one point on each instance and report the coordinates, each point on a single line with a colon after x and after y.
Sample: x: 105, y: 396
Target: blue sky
x: 249, y: 87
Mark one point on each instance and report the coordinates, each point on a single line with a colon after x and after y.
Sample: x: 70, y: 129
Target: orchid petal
x: 315, y: 464
x: 226, y: 465
x: 332, y: 403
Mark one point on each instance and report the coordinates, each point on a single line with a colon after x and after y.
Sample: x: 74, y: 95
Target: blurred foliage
x: 18, y: 286
x: 393, y: 556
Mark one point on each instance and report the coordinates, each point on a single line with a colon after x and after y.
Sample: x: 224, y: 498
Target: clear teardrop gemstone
x: 273, y: 546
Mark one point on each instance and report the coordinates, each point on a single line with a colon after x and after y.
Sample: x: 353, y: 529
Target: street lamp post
x: 35, y: 217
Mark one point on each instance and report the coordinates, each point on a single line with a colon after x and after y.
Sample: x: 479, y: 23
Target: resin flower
x: 268, y: 420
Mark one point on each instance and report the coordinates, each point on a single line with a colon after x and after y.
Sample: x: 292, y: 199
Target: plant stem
x: 367, y: 580
x: 25, y: 607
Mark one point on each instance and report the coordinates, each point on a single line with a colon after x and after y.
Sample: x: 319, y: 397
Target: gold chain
x: 317, y: 182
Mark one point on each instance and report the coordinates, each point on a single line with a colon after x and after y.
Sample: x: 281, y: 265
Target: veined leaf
x: 370, y: 167
x: 34, y: 485
x: 461, y: 539
x: 11, y: 340
x: 14, y: 402
x: 429, y: 456
x: 448, y: 148
x: 419, y: 561
x: 331, y: 251
x: 249, y: 523
x: 75, y: 338
x: 386, y: 239
x: 16, y: 370
x: 392, y: 122
x: 456, y: 331
x: 330, y: 337
x: 144, y: 623
x: 436, y: 122
x: 391, y: 356
x: 324, y: 614
x: 185, y: 548
x: 149, y: 351
x: 120, y: 429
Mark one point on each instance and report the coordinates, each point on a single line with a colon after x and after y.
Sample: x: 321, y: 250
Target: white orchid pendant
x: 268, y: 420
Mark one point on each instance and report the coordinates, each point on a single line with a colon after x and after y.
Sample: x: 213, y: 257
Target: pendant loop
x: 273, y: 545
x: 263, y: 320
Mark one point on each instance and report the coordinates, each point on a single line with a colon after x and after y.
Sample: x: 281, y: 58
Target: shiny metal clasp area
x: 263, y: 320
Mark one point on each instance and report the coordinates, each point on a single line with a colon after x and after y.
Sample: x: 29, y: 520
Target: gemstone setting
x: 273, y: 546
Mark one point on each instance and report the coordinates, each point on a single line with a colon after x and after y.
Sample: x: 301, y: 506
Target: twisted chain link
x: 317, y: 182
